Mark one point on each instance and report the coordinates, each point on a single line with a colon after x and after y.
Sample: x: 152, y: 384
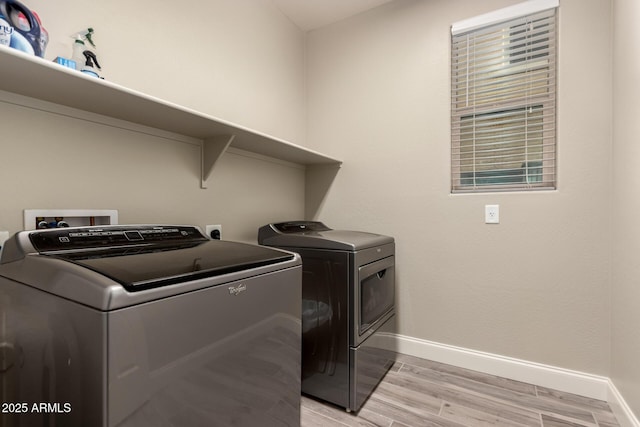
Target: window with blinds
x: 503, y: 104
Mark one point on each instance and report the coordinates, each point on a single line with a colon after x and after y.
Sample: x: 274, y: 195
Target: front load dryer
x: 348, y: 307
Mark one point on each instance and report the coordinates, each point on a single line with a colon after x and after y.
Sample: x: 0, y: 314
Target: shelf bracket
x: 212, y: 149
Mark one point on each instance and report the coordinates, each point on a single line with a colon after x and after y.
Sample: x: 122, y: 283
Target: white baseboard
x: 620, y: 409
x: 584, y: 384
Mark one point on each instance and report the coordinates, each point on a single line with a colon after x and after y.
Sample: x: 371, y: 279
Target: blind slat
x: 503, y: 105
x: 514, y: 40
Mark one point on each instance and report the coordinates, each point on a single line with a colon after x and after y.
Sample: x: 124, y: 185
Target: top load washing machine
x: 348, y: 302
x: 147, y: 326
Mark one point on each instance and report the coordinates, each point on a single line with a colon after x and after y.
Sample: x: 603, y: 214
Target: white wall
x: 626, y: 205
x: 534, y: 287
x: 240, y: 61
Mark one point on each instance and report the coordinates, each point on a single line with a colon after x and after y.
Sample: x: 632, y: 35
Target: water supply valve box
x: 52, y: 218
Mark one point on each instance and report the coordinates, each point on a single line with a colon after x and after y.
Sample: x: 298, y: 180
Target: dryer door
x: 374, y: 297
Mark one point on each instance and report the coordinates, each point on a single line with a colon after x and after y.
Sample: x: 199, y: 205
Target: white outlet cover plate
x: 492, y: 214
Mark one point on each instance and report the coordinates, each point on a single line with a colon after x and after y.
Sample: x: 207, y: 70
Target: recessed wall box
x: 51, y: 218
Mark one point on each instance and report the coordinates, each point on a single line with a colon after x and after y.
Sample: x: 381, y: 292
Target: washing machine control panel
x: 84, y: 238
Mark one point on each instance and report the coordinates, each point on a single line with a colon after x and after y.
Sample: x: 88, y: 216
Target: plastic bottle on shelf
x: 83, y: 42
x: 78, y: 49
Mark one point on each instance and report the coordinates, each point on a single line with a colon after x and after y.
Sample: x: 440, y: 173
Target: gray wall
x: 534, y: 287
x: 625, y: 370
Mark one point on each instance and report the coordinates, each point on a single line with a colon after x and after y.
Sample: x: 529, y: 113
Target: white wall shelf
x: 34, y: 77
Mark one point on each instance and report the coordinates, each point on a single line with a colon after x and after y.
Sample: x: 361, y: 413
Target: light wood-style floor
x: 418, y: 392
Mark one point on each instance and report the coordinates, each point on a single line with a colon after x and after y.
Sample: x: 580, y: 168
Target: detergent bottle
x: 6, y: 30
x: 43, y: 39
x: 22, y: 28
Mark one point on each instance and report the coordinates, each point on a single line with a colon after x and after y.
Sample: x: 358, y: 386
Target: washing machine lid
x: 156, y: 266
x: 139, y: 257
x: 316, y: 235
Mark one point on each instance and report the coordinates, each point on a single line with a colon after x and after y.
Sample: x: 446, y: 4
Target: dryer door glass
x: 376, y: 292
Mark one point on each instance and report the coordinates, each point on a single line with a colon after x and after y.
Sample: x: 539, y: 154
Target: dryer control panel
x: 300, y: 226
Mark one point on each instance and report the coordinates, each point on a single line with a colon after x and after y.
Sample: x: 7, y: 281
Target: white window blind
x: 503, y: 104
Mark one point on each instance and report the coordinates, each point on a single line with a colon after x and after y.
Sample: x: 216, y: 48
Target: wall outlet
x: 492, y: 214
x: 214, y: 232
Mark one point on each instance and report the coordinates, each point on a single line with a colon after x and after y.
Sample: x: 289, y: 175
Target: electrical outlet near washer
x: 492, y: 214
x: 214, y: 232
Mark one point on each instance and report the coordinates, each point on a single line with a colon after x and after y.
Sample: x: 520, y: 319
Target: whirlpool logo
x: 237, y: 290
